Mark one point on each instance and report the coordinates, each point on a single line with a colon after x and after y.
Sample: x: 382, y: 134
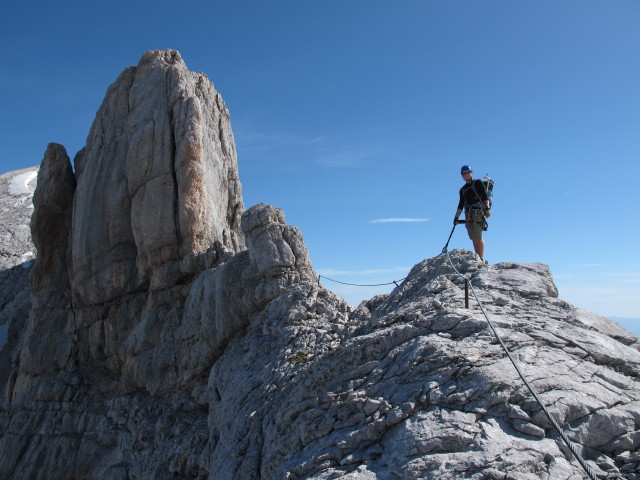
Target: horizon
x: 355, y: 117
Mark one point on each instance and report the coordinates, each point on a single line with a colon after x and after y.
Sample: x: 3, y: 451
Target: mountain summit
x: 164, y: 331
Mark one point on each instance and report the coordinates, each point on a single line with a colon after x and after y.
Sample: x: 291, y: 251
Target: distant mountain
x: 16, y: 208
x: 165, y: 332
x: 631, y: 324
x: 16, y: 257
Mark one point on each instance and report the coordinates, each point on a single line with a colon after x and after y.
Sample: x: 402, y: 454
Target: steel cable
x: 590, y: 473
x: 557, y: 427
x: 394, y: 282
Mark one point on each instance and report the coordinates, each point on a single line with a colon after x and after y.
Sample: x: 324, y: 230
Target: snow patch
x: 20, y: 183
x: 27, y: 260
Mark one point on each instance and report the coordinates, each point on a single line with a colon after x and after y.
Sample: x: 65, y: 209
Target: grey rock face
x: 51, y: 220
x: 50, y: 289
x: 412, y: 385
x: 168, y: 333
x: 219, y: 306
x: 158, y: 180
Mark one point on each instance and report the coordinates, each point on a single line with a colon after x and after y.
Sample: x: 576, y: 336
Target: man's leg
x: 478, y: 246
x: 474, y: 229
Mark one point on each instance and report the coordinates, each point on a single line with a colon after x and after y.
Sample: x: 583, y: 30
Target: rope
x: 564, y: 437
x: 394, y: 282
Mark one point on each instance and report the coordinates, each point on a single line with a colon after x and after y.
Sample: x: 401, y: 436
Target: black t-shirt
x: 468, y: 196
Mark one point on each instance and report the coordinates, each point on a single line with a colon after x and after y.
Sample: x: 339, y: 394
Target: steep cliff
x: 165, y: 332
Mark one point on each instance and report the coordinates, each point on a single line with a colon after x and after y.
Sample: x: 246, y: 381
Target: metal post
x: 466, y: 293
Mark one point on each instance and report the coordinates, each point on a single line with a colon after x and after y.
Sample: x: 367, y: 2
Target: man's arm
x: 459, y: 210
x: 455, y: 219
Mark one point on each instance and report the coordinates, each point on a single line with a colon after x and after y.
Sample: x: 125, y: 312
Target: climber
x: 475, y: 202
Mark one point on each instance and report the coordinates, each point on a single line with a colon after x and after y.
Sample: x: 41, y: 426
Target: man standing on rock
x: 475, y: 202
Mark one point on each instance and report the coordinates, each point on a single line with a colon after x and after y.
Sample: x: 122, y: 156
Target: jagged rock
x: 219, y: 305
x: 51, y: 220
x: 158, y: 180
x: 196, y: 342
x: 50, y: 288
x: 449, y: 405
x: 158, y: 200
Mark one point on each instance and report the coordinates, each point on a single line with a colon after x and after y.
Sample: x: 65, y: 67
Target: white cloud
x: 398, y: 220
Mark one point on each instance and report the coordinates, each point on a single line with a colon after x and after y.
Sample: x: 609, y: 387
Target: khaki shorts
x: 474, y: 227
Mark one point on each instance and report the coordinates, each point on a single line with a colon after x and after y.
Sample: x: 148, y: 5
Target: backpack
x: 488, y: 187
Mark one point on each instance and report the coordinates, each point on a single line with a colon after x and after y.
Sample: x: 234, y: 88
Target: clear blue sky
x: 350, y: 111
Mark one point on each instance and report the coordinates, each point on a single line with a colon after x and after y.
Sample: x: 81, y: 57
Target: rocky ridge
x: 16, y: 258
x: 191, y: 338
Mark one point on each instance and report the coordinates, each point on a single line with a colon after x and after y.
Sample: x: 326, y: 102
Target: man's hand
x: 487, y: 212
x: 455, y: 220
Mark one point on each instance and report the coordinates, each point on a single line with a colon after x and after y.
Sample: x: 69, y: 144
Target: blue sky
x: 346, y: 112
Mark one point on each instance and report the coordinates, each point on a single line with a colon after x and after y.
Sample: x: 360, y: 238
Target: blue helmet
x: 465, y: 168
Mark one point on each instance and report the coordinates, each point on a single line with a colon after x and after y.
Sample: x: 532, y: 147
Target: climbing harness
x: 476, y: 215
x: 557, y: 427
x: 476, y: 212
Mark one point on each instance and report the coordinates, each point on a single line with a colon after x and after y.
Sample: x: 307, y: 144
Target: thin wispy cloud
x: 398, y: 220
x: 263, y: 141
x: 341, y: 159
x: 320, y: 150
x: 340, y: 154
